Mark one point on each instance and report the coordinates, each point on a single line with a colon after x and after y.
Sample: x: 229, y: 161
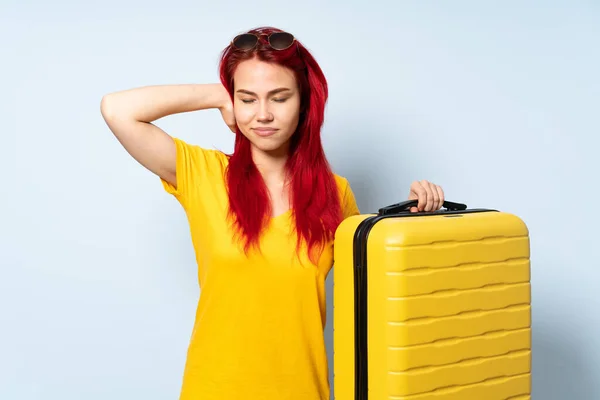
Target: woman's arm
x: 129, y: 115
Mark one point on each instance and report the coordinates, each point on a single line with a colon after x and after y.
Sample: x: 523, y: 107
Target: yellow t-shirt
x: 258, y: 331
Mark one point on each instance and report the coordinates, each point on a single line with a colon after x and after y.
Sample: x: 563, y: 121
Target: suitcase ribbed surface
x: 449, y: 308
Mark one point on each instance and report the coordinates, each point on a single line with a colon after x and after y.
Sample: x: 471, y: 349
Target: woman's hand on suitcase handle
x: 429, y: 195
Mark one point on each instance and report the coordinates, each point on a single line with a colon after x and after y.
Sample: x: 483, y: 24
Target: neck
x: 271, y: 165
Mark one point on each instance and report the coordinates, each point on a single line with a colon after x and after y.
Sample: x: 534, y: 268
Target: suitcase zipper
x: 361, y: 366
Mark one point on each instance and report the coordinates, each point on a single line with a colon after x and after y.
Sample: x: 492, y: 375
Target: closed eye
x: 277, y: 100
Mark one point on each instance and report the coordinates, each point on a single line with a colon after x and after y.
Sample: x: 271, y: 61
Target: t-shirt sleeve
x: 349, y: 206
x: 195, y: 169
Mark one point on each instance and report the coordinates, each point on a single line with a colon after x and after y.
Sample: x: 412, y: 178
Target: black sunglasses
x: 277, y: 40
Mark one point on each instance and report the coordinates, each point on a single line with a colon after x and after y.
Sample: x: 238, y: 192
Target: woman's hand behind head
x: 226, y: 109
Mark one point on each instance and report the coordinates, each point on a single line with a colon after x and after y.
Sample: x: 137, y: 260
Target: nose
x: 264, y: 113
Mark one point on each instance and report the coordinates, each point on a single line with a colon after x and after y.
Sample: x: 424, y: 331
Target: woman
x: 262, y: 220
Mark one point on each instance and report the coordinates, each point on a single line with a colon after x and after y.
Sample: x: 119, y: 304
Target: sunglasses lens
x: 281, y: 40
x: 245, y: 41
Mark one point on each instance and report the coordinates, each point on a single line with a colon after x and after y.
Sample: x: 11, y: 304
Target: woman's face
x: 266, y: 104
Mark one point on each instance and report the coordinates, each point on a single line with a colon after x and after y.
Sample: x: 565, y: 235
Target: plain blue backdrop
x: 498, y: 102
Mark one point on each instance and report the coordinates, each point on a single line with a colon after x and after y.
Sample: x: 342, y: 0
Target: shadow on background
x: 560, y: 371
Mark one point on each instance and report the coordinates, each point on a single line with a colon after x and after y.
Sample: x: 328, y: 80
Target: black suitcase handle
x: 406, y: 205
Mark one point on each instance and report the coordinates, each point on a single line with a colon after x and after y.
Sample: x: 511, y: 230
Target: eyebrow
x: 274, y: 91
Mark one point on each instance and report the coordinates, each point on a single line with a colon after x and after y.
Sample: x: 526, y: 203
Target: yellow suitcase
x: 432, y: 305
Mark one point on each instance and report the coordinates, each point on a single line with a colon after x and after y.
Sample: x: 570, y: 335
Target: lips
x: 264, y: 131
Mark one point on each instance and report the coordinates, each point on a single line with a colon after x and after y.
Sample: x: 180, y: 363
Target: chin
x: 267, y: 144
x: 269, y: 147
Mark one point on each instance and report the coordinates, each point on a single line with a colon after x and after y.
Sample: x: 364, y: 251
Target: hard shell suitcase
x: 432, y: 305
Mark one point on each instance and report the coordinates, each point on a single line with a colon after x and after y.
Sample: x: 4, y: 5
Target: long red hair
x: 316, y: 208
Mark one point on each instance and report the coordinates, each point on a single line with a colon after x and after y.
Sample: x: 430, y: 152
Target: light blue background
x: 498, y: 102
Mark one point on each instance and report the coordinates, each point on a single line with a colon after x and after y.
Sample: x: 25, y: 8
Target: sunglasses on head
x: 277, y: 40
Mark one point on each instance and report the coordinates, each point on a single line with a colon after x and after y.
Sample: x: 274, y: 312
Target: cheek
x: 290, y: 116
x: 243, y: 115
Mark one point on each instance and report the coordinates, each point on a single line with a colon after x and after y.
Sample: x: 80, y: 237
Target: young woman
x: 262, y: 220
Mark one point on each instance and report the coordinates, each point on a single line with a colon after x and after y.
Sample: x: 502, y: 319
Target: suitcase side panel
x: 377, y: 355
x: 343, y: 309
x: 505, y: 388
x: 449, y: 308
